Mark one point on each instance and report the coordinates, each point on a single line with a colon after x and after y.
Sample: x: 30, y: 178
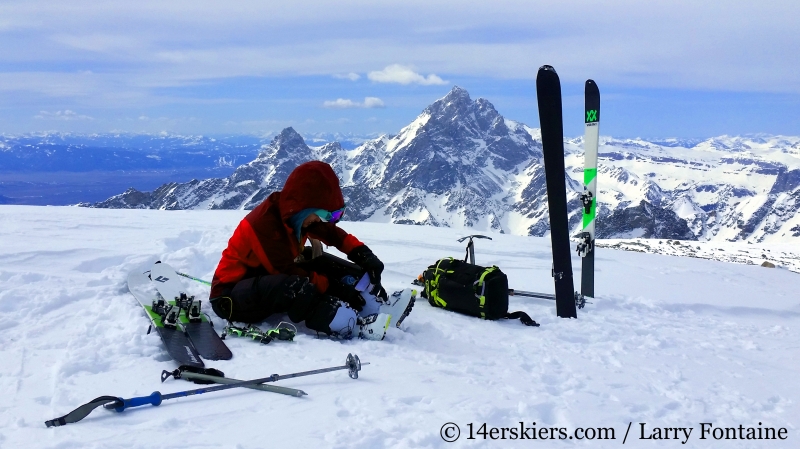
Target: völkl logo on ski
x: 591, y: 116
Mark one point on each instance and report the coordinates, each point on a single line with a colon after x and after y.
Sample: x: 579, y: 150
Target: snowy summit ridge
x: 461, y: 164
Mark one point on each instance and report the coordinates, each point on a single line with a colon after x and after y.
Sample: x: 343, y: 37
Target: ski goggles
x: 331, y: 216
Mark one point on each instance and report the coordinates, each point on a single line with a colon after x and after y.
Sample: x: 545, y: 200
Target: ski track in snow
x: 669, y: 342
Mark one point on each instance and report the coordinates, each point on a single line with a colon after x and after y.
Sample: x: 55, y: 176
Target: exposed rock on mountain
x: 646, y: 221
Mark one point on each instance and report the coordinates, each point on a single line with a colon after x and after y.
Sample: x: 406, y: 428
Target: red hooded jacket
x: 264, y: 242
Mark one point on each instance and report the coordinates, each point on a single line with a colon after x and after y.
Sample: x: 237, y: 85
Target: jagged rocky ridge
x: 461, y: 164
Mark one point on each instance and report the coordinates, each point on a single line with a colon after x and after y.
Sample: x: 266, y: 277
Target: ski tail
x: 548, y: 92
x: 589, y: 196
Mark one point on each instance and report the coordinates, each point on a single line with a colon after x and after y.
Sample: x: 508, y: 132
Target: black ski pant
x: 252, y: 300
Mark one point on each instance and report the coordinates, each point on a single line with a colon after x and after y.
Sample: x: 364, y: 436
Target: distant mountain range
x: 49, y: 152
x: 461, y: 164
x: 45, y: 152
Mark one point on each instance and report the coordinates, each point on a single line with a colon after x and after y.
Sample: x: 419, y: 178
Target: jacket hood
x: 311, y: 185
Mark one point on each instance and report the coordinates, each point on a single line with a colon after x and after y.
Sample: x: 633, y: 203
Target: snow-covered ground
x: 780, y: 255
x: 669, y: 342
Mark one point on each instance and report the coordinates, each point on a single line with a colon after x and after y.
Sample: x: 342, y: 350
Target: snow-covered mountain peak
x: 457, y: 109
x: 288, y: 137
x: 456, y: 101
x: 287, y: 144
x: 461, y: 164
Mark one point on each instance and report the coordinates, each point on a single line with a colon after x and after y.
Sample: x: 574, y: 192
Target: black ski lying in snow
x: 196, y: 324
x: 164, y: 320
x: 186, y: 332
x: 548, y: 93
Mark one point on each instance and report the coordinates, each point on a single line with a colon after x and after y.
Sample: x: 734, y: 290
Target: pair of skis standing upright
x: 548, y: 92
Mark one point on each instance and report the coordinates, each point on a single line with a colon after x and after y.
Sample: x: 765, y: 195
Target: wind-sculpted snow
x: 461, y: 164
x: 669, y: 341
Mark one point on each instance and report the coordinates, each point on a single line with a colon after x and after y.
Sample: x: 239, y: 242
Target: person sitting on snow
x: 266, y: 268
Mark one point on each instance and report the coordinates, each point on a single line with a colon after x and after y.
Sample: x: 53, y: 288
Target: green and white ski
x: 589, y: 196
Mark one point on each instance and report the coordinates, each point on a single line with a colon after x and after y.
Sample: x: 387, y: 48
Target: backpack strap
x: 481, y: 285
x: 523, y: 317
x: 432, y: 285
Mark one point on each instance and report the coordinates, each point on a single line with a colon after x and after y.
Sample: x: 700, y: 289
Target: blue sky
x: 665, y: 68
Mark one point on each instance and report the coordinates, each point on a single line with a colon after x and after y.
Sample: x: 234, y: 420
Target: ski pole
x: 188, y: 375
x: 513, y: 292
x: 193, y: 278
x: 352, y: 365
x: 215, y: 376
x: 580, y: 300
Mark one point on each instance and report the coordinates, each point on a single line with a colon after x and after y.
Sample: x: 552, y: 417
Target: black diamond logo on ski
x: 161, y: 279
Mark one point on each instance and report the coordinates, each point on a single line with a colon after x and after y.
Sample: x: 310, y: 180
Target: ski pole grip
x: 153, y: 399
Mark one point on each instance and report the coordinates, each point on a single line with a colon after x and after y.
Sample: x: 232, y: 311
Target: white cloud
x: 343, y: 103
x: 352, y: 76
x: 373, y: 102
x: 65, y: 115
x: 167, y: 44
x: 397, y: 73
x: 154, y: 55
x: 340, y: 103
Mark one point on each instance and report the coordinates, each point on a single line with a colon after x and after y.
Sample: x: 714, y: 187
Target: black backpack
x: 470, y: 289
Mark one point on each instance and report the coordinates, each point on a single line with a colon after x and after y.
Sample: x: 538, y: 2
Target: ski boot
x: 373, y: 327
x: 399, y: 305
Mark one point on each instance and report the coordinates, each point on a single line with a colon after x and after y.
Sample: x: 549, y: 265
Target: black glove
x: 369, y: 262
x: 348, y: 294
x: 299, y: 298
